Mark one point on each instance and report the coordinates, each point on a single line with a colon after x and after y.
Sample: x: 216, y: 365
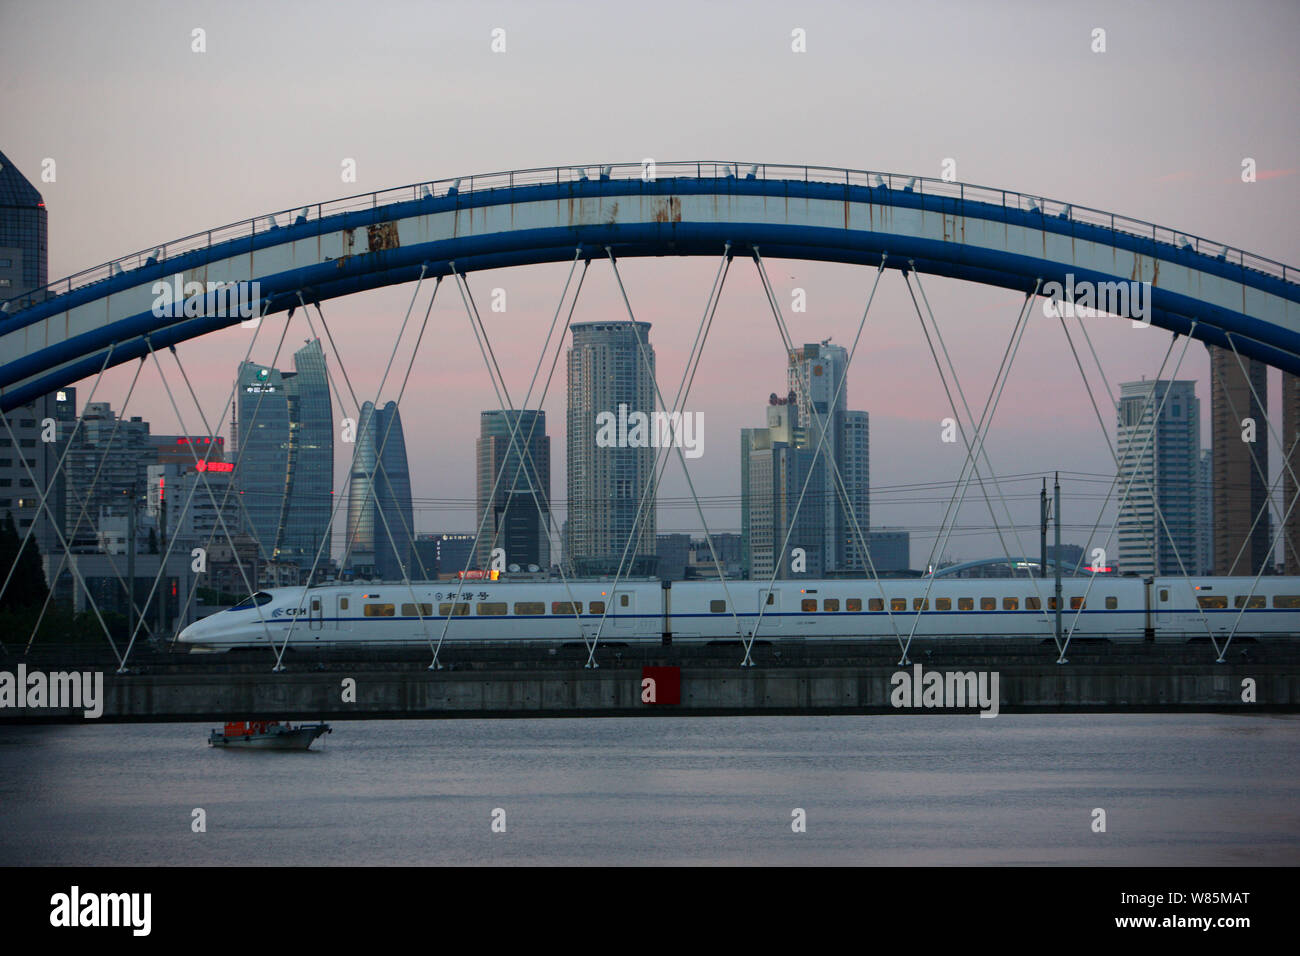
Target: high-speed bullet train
x: 1115, y: 608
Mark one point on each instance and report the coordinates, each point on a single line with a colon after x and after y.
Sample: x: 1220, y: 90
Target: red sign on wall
x: 661, y: 685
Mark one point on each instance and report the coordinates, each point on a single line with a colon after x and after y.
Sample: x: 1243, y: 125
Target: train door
x: 768, y: 603
x: 1161, y: 607
x: 314, y: 612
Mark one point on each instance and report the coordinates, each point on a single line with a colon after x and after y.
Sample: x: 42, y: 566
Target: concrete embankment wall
x: 619, y: 691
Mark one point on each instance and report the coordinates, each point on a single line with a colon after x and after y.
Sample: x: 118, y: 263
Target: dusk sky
x: 152, y: 141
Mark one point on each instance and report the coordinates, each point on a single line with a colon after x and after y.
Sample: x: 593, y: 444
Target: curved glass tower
x: 284, y: 445
x: 381, y: 482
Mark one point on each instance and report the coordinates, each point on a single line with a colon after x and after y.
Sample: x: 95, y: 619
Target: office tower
x: 1291, y: 456
x: 441, y: 554
x: 674, y: 553
x: 891, y: 549
x: 380, y: 518
x: 854, y: 462
x: 24, y: 235
x: 1205, y: 513
x: 610, y: 370
x: 778, y: 469
x: 283, y: 441
x: 514, y: 488
x: 1160, y: 466
x: 184, y: 449
x: 814, y: 374
x: 27, y: 467
x: 106, y: 469
x: 1241, y: 543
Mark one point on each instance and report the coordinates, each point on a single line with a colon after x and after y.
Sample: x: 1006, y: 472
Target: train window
x: 409, y: 610
x: 988, y: 604
x: 808, y: 604
x: 315, y: 604
x: 1033, y: 604
x: 491, y: 608
x: 1077, y: 603
x: 1112, y: 602
x: 462, y: 609
x: 1256, y: 600
x: 831, y: 604
x: 530, y: 607
x: 343, y: 604
x: 720, y: 607
x: 256, y: 600
x: 596, y: 607
x: 1051, y: 604
x: 920, y: 604
x: 853, y: 604
x: 379, y: 610
x: 1212, y: 601
x: 564, y: 607
x: 943, y: 604
x: 1286, y: 600
x: 898, y: 604
x: 771, y: 598
x: 965, y: 604
x: 1011, y: 604
x: 876, y: 604
x: 623, y: 600
x: 1164, y: 594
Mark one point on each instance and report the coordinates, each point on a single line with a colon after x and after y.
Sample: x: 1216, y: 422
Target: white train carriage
x: 1112, y: 608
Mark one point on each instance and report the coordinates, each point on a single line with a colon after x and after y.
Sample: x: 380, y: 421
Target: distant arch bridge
x: 1225, y: 296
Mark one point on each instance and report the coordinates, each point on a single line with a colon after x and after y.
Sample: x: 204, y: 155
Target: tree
x: 27, y: 587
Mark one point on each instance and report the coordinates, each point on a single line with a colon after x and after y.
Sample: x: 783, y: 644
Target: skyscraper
x: 27, y: 467
x: 1160, y: 466
x: 611, y: 370
x: 283, y: 445
x: 815, y: 375
x: 1241, y: 543
x: 518, y: 513
x: 1291, y: 451
x: 779, y: 467
x: 380, y: 519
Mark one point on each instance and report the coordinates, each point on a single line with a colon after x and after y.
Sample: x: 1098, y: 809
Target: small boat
x: 267, y: 735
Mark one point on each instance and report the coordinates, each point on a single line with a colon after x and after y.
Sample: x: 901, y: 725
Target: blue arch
x: 1224, y: 297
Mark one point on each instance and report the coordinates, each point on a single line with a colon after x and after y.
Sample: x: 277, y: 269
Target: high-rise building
x: 815, y: 376
x: 1205, y: 514
x: 27, y: 467
x: 1160, y: 466
x: 24, y: 235
x: 514, y: 487
x: 854, y: 462
x: 441, y: 554
x: 107, y: 472
x: 1291, y: 451
x: 283, y: 441
x: 785, y: 538
x: 611, y: 370
x: 1241, y: 543
x: 380, y: 518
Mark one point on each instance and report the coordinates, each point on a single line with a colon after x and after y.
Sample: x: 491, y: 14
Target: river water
x: 915, y: 789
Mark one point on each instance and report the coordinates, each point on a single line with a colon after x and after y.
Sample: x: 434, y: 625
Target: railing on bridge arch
x: 918, y: 185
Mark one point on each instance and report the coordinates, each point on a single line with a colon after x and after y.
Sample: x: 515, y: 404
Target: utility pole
x: 1042, y: 531
x: 1057, y: 562
x: 130, y: 558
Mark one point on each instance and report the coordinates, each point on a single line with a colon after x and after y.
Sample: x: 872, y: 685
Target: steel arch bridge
x: 107, y: 315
